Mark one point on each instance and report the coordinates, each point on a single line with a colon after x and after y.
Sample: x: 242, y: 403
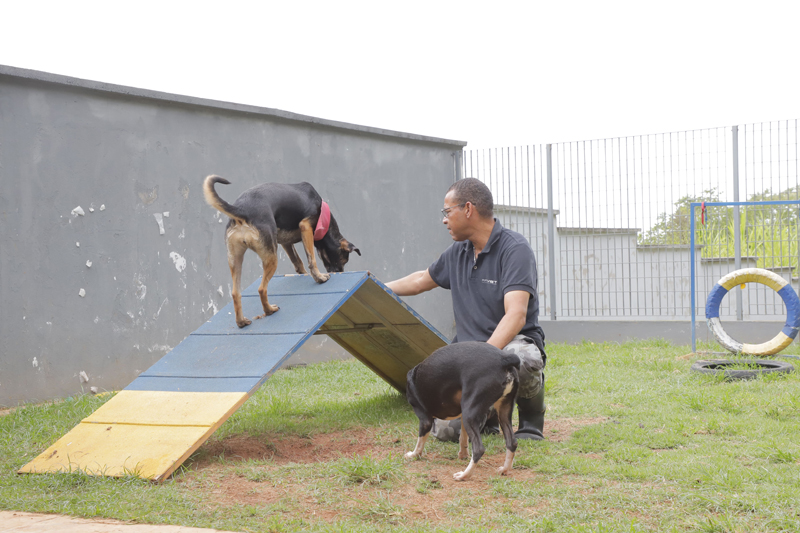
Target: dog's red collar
x: 323, y: 223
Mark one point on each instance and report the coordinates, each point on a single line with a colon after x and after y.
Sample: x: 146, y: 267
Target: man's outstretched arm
x: 413, y: 284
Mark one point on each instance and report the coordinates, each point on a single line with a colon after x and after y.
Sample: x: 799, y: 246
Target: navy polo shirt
x: 478, y: 286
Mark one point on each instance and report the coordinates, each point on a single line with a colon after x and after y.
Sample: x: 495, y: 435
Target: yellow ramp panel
x: 143, y: 433
x: 149, y: 452
x: 166, y: 408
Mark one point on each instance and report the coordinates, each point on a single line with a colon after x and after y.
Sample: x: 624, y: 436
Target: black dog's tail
x: 213, y: 199
x: 509, y: 360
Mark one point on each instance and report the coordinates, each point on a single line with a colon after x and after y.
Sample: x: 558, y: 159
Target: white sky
x: 491, y: 73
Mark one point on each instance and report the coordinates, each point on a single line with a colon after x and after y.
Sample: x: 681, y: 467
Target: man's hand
x: 516, y: 307
x: 413, y: 284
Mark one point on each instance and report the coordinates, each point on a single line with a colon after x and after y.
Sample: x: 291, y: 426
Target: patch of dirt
x: 426, y: 491
x: 563, y: 428
x: 4, y: 412
x: 291, y: 449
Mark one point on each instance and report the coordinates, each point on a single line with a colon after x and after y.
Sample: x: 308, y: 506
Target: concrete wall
x: 106, y: 292
x: 675, y: 331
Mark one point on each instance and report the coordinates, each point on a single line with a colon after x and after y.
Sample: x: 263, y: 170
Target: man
x: 491, y: 273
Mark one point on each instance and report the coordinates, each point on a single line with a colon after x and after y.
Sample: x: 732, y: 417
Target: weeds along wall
x: 109, y: 255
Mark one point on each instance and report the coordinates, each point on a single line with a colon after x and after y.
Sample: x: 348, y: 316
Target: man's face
x: 454, y: 217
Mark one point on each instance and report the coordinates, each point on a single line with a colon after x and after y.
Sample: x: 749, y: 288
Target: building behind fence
x: 609, y: 219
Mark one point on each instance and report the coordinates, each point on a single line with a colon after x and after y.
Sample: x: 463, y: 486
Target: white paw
x: 411, y: 455
x: 461, y: 476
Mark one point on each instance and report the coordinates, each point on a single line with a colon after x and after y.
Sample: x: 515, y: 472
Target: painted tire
x: 765, y: 277
x: 722, y: 367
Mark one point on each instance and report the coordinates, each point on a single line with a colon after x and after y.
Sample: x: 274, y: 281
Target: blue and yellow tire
x: 765, y: 277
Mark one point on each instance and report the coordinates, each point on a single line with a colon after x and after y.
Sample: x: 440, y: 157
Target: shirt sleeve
x: 440, y: 269
x: 519, y: 270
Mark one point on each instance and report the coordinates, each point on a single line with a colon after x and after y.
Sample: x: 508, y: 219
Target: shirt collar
x: 497, y: 229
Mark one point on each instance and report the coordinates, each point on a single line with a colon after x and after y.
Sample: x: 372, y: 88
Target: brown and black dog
x: 278, y: 213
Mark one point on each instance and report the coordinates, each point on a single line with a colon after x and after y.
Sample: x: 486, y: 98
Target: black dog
x: 465, y: 379
x: 277, y: 213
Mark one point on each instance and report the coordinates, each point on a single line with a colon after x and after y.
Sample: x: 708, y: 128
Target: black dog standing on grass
x: 277, y: 213
x: 465, y: 379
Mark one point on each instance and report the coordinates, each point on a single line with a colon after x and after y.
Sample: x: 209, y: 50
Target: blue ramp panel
x: 166, y: 413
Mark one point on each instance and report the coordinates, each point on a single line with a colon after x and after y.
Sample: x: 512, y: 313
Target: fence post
x: 737, y: 233
x: 457, y: 164
x: 551, y: 233
x: 693, y: 274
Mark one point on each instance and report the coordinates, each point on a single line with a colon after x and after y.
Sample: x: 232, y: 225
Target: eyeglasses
x: 446, y: 212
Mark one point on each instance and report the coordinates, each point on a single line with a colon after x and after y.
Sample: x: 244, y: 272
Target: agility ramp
x: 153, y: 425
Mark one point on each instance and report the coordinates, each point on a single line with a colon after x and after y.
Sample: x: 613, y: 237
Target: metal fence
x: 609, y: 220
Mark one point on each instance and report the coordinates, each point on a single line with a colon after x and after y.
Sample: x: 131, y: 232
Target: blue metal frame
x: 691, y: 245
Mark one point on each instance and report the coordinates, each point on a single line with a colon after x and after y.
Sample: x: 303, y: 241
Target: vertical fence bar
x: 737, y: 232
x: 551, y: 233
x: 692, y: 274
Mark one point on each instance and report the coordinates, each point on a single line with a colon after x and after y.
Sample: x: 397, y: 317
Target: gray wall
x: 127, y: 156
x: 675, y: 331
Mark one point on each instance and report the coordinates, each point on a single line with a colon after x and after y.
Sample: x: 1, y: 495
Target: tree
x: 769, y: 233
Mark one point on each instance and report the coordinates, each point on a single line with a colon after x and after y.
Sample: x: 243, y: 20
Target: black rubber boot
x: 531, y: 417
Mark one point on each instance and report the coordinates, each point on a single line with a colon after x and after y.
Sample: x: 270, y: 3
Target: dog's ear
x: 349, y: 247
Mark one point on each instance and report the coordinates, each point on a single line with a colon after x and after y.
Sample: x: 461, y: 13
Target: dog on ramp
x: 465, y: 379
x: 270, y: 214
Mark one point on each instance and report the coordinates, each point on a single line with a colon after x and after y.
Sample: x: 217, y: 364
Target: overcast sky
x: 490, y: 73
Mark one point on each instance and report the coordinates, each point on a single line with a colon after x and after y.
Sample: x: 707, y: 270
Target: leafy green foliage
x: 767, y: 233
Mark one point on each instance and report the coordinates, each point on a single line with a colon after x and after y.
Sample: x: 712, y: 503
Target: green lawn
x: 637, y: 443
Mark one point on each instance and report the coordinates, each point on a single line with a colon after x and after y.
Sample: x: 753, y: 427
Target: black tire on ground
x: 723, y: 367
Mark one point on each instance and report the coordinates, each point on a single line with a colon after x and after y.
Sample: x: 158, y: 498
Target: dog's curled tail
x: 213, y: 199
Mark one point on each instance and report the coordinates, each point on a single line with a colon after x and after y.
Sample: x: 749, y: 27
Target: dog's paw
x: 267, y: 314
x: 503, y: 470
x: 461, y: 476
x: 244, y: 322
x: 411, y: 455
x: 322, y: 278
x: 463, y: 454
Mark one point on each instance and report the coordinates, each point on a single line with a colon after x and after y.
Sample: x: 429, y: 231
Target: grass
x: 669, y: 450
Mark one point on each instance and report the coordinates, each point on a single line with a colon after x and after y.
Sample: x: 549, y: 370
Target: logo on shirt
x: 490, y: 281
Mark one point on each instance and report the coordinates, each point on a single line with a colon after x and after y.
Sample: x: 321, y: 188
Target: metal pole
x: 692, y: 269
x: 737, y: 232
x: 457, y: 162
x: 551, y: 232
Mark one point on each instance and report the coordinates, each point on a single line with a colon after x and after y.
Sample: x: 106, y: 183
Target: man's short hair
x: 475, y: 192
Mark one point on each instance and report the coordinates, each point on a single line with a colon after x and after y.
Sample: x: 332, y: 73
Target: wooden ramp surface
x: 153, y: 425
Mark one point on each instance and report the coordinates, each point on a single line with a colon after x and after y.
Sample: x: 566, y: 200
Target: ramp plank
x: 161, y: 408
x: 188, y: 384
x: 295, y: 284
x: 224, y: 356
x: 150, y: 452
x: 298, y: 314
